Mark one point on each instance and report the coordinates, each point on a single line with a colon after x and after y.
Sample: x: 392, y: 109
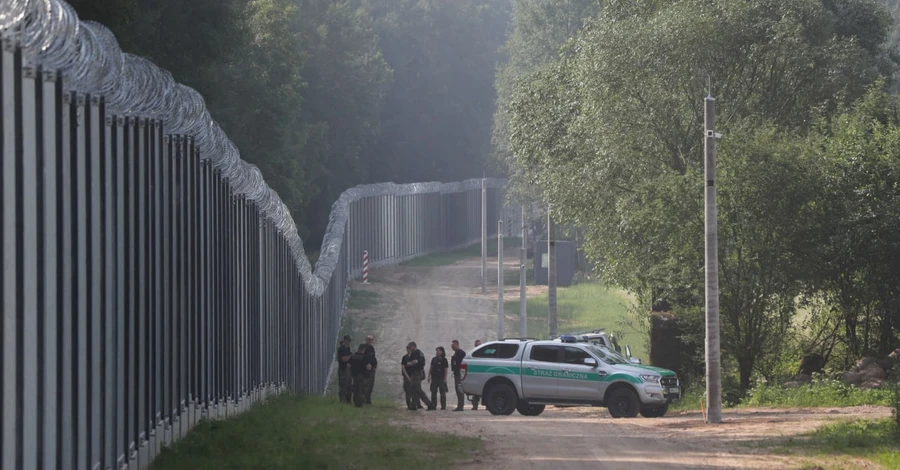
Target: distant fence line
x: 150, y: 276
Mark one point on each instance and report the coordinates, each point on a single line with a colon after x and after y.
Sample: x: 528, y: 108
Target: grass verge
x: 360, y: 299
x: 582, y: 307
x: 875, y: 440
x: 818, y: 393
x: 451, y: 257
x: 292, y: 432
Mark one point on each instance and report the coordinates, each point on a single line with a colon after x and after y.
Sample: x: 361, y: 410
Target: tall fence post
x: 551, y: 276
x: 523, y: 301
x: 483, y: 237
x: 500, y: 279
x: 713, y: 373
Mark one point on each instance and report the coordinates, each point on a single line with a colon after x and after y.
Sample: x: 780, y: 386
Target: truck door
x: 580, y: 381
x: 541, y: 368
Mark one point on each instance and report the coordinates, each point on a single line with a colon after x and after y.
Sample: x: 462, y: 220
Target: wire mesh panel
x: 150, y: 277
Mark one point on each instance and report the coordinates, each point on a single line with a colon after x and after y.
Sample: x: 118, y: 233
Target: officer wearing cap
x: 360, y: 366
x: 370, y: 349
x: 455, y: 362
x: 475, y: 399
x: 343, y: 358
x: 414, y: 368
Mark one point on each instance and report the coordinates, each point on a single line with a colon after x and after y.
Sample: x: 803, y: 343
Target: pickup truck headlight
x: 650, y: 378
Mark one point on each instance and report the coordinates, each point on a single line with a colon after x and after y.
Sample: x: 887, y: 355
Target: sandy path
x: 432, y: 306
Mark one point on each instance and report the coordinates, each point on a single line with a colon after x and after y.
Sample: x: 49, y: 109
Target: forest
x: 600, y: 114
x: 325, y: 95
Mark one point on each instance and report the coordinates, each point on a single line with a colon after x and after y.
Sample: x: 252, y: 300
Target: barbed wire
x: 90, y: 61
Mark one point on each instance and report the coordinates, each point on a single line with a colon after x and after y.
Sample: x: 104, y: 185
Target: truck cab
x: 526, y: 375
x: 598, y: 337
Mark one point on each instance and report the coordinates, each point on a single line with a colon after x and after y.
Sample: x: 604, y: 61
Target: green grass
x: 360, y: 299
x: 582, y: 307
x: 875, y: 440
x: 451, y: 257
x: 690, y: 401
x: 293, y: 432
x: 819, y: 393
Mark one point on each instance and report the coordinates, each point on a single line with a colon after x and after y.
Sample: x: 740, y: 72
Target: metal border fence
x: 150, y: 277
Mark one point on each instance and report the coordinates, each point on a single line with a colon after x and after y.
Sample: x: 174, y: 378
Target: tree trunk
x: 745, y: 368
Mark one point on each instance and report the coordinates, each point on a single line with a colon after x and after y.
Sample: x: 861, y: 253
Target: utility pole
x: 551, y: 275
x: 713, y: 364
x: 523, y: 307
x: 500, y: 279
x: 483, y: 237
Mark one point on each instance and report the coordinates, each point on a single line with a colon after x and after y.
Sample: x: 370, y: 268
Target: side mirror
x: 634, y: 360
x: 627, y: 351
x: 589, y: 361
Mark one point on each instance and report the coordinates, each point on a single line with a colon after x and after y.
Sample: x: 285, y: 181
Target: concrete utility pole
x: 483, y: 237
x: 523, y: 306
x: 500, y: 279
x: 551, y: 276
x: 713, y: 364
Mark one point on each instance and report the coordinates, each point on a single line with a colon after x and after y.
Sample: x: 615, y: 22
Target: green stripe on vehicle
x: 551, y: 373
x: 473, y: 369
x: 658, y: 370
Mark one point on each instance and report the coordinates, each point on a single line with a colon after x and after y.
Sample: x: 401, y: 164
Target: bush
x: 823, y: 391
x: 895, y: 398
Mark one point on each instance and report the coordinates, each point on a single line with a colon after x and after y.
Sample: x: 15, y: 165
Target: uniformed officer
x: 455, y: 362
x: 437, y: 377
x: 406, y: 382
x: 475, y: 400
x: 344, y: 378
x: 360, y: 365
x: 415, y: 370
x: 370, y: 349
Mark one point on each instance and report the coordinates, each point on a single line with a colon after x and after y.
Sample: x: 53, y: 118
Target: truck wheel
x: 525, y: 409
x: 500, y: 400
x: 623, y: 403
x: 655, y: 412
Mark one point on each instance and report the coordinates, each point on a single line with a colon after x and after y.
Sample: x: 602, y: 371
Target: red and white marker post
x: 365, y: 267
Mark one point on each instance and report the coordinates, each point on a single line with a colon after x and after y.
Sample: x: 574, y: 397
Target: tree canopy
x: 326, y: 95
x: 610, y: 130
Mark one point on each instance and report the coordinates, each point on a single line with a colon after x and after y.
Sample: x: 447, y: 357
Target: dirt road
x: 432, y: 306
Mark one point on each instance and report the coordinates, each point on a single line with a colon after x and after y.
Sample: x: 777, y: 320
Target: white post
x: 551, y: 277
x: 523, y: 306
x: 713, y: 372
x: 365, y: 274
x: 483, y: 237
x: 500, y: 279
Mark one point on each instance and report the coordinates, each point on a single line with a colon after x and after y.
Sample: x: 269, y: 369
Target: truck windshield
x: 608, y: 356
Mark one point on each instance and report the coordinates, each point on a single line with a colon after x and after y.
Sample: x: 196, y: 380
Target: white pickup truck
x: 526, y: 375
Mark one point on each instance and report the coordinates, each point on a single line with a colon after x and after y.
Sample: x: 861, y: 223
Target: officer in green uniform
x: 437, y: 377
x: 415, y: 370
x: 344, y: 379
x: 360, y: 365
x: 406, y: 382
x: 475, y: 400
x: 455, y: 362
x: 370, y: 349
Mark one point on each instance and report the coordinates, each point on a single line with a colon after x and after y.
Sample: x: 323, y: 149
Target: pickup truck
x: 598, y: 337
x: 527, y: 375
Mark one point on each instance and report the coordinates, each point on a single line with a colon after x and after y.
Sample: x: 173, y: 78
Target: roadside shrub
x: 823, y: 391
x: 895, y: 398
